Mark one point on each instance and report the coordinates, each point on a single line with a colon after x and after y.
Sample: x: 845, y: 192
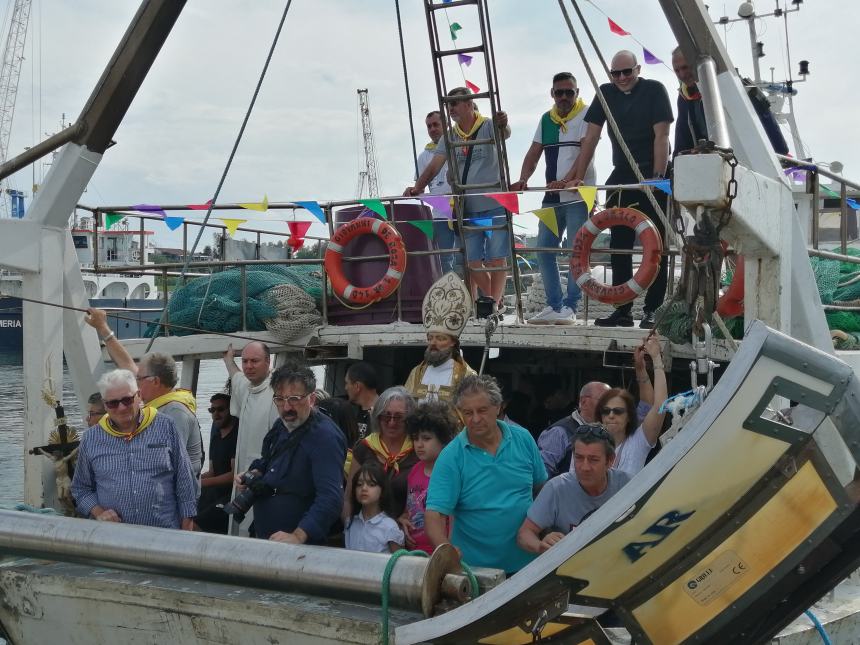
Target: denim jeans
x: 570, y: 216
x: 445, y: 238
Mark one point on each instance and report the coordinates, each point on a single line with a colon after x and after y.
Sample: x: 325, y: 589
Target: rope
x: 229, y: 163
x: 27, y: 508
x: 818, y: 627
x: 386, y: 584
x: 406, y: 85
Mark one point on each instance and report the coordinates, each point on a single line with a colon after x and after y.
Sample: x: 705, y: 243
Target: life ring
x: 652, y: 249
x: 388, y: 283
x: 731, y: 303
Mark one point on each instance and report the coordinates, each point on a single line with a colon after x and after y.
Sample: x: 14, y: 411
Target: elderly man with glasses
x: 566, y: 501
x: 132, y: 466
x: 642, y: 110
x: 298, y: 481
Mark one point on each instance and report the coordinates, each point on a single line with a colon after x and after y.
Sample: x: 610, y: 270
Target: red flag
x: 473, y: 87
x: 508, y: 200
x: 200, y: 207
x: 297, y: 234
x: 615, y: 29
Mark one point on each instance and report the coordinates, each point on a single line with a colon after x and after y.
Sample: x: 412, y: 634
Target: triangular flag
x: 376, y: 206
x: 830, y: 192
x: 853, y: 203
x: 464, y: 59
x: 548, y: 217
x: 441, y: 203
x: 482, y: 221
x: 150, y: 208
x: 313, y: 208
x: 298, y: 230
x: 200, y: 207
x: 616, y: 29
x: 475, y: 89
x: 425, y: 226
x: 650, y: 58
x: 113, y: 218
x: 232, y: 225
x: 455, y: 27
x: 174, y: 223
x: 661, y: 184
x: 508, y: 200
x: 588, y: 194
x: 262, y: 206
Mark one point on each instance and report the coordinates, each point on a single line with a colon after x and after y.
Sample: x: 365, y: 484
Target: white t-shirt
x: 436, y: 376
x: 631, y: 454
x: 567, y: 153
x: 439, y: 184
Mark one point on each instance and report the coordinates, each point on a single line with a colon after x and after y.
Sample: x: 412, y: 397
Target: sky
x: 303, y: 139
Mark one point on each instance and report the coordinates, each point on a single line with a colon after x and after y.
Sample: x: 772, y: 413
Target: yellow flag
x: 588, y: 193
x: 262, y: 206
x: 232, y: 225
x: 547, y: 216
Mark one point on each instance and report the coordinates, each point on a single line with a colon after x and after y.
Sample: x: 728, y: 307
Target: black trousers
x: 622, y: 237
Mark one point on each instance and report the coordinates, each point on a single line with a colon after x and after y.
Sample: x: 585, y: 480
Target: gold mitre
x: 447, y: 306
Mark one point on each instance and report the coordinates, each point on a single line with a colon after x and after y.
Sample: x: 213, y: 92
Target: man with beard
x: 446, y: 308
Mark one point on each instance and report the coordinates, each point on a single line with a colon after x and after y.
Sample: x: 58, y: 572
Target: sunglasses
x: 214, y: 410
x: 627, y: 71
x: 126, y: 401
x: 391, y: 418
x: 568, y: 93
x: 616, y: 411
x: 594, y: 430
x: 291, y: 400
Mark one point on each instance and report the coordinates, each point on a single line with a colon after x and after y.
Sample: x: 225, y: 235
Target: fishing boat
x: 747, y: 517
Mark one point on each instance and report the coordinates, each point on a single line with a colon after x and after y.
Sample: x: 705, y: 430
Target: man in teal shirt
x: 485, y: 479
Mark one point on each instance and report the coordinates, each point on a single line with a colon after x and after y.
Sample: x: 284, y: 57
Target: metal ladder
x: 485, y: 49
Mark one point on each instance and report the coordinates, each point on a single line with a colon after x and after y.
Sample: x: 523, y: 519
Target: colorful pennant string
x: 650, y: 58
x: 455, y: 27
x: 547, y: 216
x: 200, y: 207
x: 482, y: 221
x: 853, y: 203
x: 376, y: 206
x: 149, y: 208
x: 475, y: 89
x: 113, y: 218
x: 510, y: 201
x: 661, y: 184
x: 464, y: 59
x: 232, y: 224
x: 174, y: 222
x: 615, y: 28
x: 313, y: 208
x: 262, y: 206
x: 425, y: 226
x: 441, y: 203
x: 298, y: 230
x: 588, y: 194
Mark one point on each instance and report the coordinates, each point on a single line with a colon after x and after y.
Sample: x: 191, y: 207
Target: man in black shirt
x: 691, y: 124
x: 217, y: 482
x: 643, y: 112
x: 362, y: 389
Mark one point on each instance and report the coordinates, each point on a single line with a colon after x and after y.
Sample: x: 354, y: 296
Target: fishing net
x: 283, y: 299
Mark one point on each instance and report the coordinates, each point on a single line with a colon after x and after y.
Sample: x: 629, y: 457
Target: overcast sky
x: 303, y: 139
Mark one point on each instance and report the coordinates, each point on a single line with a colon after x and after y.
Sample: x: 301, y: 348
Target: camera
x: 241, y: 504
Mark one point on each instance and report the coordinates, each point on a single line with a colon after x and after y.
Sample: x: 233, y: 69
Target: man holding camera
x: 296, y: 487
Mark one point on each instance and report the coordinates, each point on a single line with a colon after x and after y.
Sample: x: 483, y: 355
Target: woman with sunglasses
x: 617, y: 411
x: 389, y: 444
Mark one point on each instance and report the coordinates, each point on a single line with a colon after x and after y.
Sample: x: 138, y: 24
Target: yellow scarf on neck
x: 430, y: 146
x: 479, y: 121
x: 389, y: 460
x: 690, y: 92
x: 147, y: 416
x: 555, y: 117
x: 185, y: 397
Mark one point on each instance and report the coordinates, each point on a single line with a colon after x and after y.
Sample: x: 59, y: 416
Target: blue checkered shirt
x: 147, y: 480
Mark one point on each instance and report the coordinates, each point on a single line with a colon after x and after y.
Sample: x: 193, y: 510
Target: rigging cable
x: 406, y: 84
x: 214, y: 199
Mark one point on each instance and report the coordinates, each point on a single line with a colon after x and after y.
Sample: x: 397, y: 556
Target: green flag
x: 113, y: 218
x: 376, y: 206
x: 455, y: 27
x: 425, y: 226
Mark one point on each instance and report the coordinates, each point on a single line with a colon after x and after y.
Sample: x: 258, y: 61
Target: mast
x: 370, y: 175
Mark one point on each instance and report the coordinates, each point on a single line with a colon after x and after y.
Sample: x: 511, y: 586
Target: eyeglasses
x: 142, y: 377
x: 126, y: 401
x: 627, y: 71
x: 214, y: 410
x: 594, y: 430
x: 568, y: 93
x: 616, y: 411
x: 292, y: 400
x: 391, y: 418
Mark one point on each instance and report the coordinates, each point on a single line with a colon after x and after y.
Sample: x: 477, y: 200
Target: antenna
x: 370, y: 175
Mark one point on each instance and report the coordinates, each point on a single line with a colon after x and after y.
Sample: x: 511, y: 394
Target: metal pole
x: 816, y: 208
x: 244, y: 280
x: 754, y: 48
x: 715, y: 118
x: 843, y: 220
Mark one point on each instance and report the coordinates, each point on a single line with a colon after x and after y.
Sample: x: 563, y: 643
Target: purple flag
x: 464, y: 59
x: 150, y: 208
x: 441, y: 203
x: 650, y: 58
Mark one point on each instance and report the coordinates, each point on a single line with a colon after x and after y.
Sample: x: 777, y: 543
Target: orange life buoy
x: 731, y: 303
x: 388, y: 283
x: 652, y: 248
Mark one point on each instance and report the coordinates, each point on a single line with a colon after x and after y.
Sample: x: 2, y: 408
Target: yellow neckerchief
x: 147, y: 416
x: 375, y: 443
x: 690, y: 92
x: 185, y: 397
x: 555, y: 117
x: 479, y: 121
x: 430, y: 146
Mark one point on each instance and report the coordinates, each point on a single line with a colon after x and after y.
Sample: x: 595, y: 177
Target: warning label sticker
x: 713, y: 580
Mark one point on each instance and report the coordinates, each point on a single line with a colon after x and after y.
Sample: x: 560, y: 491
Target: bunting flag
x: 650, y: 58
x: 853, y: 203
x: 425, y: 226
x: 455, y: 27
x: 482, y: 221
x: 313, y: 208
x: 232, y: 225
x: 441, y: 203
x: 376, y: 206
x: 174, y: 222
x: 616, y: 29
x: 200, y: 207
x: 660, y: 184
x: 262, y: 206
x: 547, y: 216
x: 149, y: 208
x: 509, y: 200
x: 830, y: 192
x: 588, y: 194
x: 475, y: 89
x: 464, y: 59
x: 298, y: 230
x: 113, y: 218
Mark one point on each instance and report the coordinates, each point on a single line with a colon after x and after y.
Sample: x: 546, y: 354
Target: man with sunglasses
x: 558, y: 138
x: 566, y: 501
x: 132, y: 466
x: 217, y: 481
x: 642, y: 110
x: 298, y: 492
